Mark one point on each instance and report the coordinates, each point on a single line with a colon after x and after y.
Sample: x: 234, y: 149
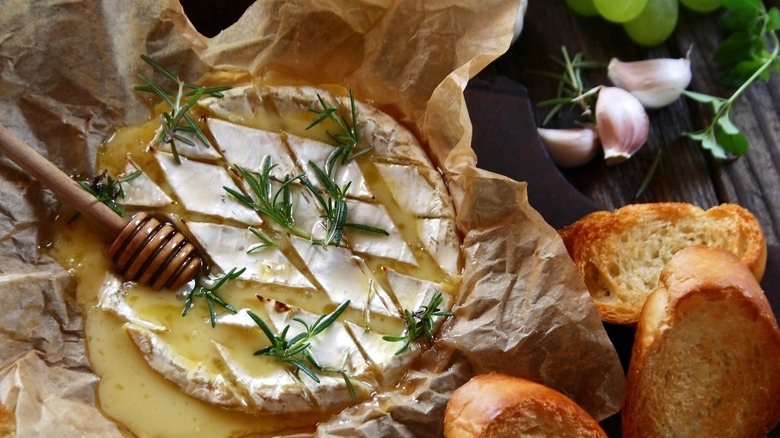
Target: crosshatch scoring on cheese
x: 160, y: 370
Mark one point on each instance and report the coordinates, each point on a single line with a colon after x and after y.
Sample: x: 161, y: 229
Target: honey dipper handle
x: 68, y: 190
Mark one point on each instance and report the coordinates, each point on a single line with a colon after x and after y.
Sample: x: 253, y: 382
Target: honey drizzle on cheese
x: 141, y: 399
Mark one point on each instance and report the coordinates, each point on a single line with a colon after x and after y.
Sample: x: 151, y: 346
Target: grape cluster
x: 647, y: 22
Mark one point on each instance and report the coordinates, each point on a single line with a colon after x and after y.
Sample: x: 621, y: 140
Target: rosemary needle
x: 296, y: 351
x: 276, y: 205
x: 107, y: 189
x: 185, y: 96
x: 209, y: 292
x: 420, y: 323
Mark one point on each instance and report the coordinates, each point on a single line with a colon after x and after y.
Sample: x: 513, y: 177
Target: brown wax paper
x: 67, y: 69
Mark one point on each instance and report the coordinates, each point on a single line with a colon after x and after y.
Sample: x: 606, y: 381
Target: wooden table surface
x: 687, y: 173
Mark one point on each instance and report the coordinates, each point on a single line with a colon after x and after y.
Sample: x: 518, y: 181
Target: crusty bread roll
x: 497, y: 405
x: 620, y: 254
x: 706, y: 357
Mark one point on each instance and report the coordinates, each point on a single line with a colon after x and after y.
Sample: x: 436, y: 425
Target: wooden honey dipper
x: 144, y: 250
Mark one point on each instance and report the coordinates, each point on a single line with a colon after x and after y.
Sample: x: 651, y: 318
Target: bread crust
x: 709, y: 305
x: 493, y: 405
x: 602, y: 244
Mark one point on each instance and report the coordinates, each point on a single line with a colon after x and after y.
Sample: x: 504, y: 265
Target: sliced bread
x: 621, y: 254
x: 706, y: 357
x: 497, y: 405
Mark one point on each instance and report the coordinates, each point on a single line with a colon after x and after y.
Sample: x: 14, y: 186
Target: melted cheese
x: 167, y: 375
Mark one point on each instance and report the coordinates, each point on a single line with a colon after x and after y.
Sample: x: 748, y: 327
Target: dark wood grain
x: 688, y: 173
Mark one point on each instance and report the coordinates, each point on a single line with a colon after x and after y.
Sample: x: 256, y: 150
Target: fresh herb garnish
x: 346, y: 140
x: 420, y: 323
x: 180, y: 101
x: 748, y: 54
x: 265, y: 241
x: 570, y: 83
x: 205, y: 288
x: 276, y: 205
x: 107, y: 189
x: 335, y: 208
x: 296, y: 351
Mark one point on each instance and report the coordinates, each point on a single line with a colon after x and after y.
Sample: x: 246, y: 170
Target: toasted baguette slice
x: 497, y: 405
x: 620, y: 254
x: 706, y: 357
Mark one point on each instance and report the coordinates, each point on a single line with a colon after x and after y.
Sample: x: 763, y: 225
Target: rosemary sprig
x: 747, y: 56
x: 265, y: 241
x: 107, y: 189
x: 277, y: 205
x: 346, y: 140
x: 180, y: 101
x: 570, y: 83
x: 204, y: 288
x: 296, y: 351
x: 335, y: 208
x: 420, y: 323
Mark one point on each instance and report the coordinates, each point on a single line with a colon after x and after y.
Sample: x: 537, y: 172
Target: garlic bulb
x: 570, y: 147
x: 655, y: 82
x: 622, y: 123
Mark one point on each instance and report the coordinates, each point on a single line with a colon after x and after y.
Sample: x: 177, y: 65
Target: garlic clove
x: 622, y: 123
x: 570, y: 147
x: 655, y: 82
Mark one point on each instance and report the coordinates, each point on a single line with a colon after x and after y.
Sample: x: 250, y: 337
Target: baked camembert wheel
x: 399, y: 253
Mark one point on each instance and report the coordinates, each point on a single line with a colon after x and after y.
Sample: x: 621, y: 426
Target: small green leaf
x: 735, y: 144
x: 727, y: 126
x: 701, y: 97
x: 734, y: 48
x: 773, y: 22
x: 711, y: 144
x: 742, y: 13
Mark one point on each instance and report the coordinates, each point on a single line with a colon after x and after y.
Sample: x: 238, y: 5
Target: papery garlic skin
x: 655, y: 82
x: 622, y: 123
x: 570, y: 147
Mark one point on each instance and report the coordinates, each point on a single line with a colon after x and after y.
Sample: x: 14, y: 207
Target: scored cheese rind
x: 330, y: 348
x: 248, y: 147
x: 341, y: 276
x: 387, y: 137
x: 376, y: 273
x: 392, y: 246
x: 198, y: 150
x: 227, y: 246
x: 199, y: 186
x: 413, y: 293
x: 277, y: 392
x: 141, y: 191
x: 381, y: 354
x: 440, y: 238
x: 113, y: 298
x: 193, y: 378
x: 307, y: 151
x: 419, y: 190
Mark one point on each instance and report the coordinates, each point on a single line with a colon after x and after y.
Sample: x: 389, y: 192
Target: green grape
x: 619, y: 11
x: 702, y: 5
x: 656, y: 22
x: 583, y: 7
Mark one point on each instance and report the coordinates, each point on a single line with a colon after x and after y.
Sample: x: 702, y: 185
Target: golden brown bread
x: 621, y: 254
x: 706, y: 357
x: 497, y: 405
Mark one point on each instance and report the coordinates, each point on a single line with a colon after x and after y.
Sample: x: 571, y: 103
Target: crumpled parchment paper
x: 67, y: 69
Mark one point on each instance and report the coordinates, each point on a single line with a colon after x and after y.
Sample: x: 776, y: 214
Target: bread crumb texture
x: 620, y: 255
x: 706, y: 356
